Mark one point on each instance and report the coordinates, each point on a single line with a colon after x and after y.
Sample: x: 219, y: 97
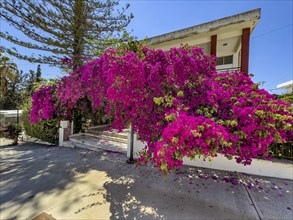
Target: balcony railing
x: 230, y: 70
x: 282, y: 150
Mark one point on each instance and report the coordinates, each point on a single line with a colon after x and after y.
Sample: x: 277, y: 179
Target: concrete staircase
x: 97, y: 138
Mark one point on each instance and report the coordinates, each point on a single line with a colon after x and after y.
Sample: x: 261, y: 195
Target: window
x: 225, y: 60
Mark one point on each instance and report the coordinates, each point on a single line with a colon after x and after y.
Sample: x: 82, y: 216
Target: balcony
x: 230, y: 70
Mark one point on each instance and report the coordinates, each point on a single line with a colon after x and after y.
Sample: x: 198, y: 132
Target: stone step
x: 91, y: 142
x: 69, y: 144
x: 109, y: 134
x: 112, y: 138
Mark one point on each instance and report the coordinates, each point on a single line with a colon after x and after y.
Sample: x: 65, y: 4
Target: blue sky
x: 270, y: 44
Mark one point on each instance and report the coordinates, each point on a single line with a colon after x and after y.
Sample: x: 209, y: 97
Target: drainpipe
x: 131, y: 160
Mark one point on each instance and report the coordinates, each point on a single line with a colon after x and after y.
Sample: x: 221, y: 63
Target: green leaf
x: 200, y: 128
x: 180, y: 94
x: 159, y: 100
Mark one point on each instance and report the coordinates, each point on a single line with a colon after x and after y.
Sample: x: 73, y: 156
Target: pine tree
x: 67, y: 28
x: 38, y: 74
x: 31, y: 79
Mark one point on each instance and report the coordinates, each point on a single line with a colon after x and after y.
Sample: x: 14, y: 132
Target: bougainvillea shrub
x: 179, y: 105
x: 43, y: 106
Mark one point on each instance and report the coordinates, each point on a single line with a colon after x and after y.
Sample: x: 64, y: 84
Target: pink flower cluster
x: 180, y: 106
x: 189, y: 136
x: 42, y: 105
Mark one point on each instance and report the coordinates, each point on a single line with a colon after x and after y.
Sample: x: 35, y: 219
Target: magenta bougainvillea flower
x: 177, y: 103
x: 42, y: 105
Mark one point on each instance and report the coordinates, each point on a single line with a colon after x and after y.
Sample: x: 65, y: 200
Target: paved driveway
x: 79, y: 184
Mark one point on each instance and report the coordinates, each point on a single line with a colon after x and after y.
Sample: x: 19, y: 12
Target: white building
x: 288, y: 86
x: 10, y: 116
x: 227, y: 38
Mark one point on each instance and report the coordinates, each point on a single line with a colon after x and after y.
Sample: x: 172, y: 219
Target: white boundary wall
x: 258, y: 167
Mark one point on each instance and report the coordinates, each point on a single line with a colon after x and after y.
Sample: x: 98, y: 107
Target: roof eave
x: 206, y: 27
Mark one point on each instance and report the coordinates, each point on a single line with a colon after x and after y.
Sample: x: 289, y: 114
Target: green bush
x: 10, y: 131
x: 288, y: 97
x: 46, y: 130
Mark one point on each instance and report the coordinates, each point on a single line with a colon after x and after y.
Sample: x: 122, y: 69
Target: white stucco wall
x: 258, y: 167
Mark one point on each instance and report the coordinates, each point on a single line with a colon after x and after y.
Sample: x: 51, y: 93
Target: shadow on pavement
x: 76, y: 183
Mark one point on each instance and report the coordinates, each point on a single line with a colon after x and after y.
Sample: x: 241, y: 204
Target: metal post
x: 17, y: 118
x: 131, y: 160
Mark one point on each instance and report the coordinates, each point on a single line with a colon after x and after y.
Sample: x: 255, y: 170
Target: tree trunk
x: 78, y: 33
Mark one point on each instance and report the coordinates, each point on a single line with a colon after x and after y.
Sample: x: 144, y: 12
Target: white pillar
x: 63, y: 135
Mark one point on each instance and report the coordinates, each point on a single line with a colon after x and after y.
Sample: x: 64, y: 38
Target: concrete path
x: 92, y: 142
x: 67, y: 183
